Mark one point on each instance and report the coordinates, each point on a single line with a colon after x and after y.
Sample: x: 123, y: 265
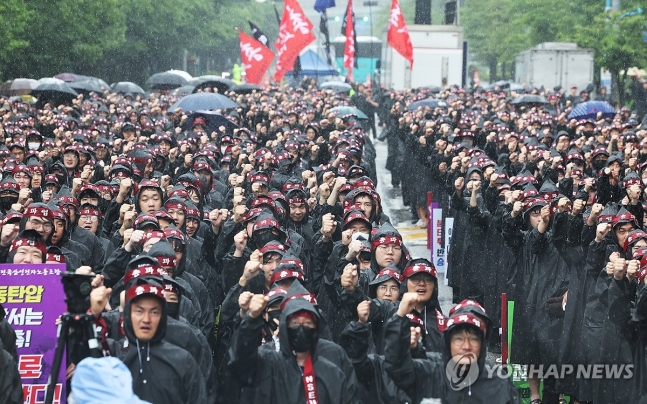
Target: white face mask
x: 357, y: 235
x: 33, y: 145
x: 644, y: 181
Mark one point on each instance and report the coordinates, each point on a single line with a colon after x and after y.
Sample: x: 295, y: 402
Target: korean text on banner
x: 437, y: 240
x: 33, y: 298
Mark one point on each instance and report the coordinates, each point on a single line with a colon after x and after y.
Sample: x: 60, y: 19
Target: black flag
x: 323, y: 29
x: 343, y: 32
x: 259, y: 35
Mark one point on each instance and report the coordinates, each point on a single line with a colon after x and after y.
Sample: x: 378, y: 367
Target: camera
x: 77, y: 289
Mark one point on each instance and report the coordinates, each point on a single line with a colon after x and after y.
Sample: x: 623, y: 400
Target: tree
x: 14, y: 15
x: 618, y: 43
x: 495, y: 31
x: 66, y: 35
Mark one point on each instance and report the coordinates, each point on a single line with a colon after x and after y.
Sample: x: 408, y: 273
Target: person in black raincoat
x: 162, y: 372
x: 543, y: 276
x: 356, y: 340
x: 297, y: 372
x: 419, y: 276
x: 628, y: 310
x: 464, y: 343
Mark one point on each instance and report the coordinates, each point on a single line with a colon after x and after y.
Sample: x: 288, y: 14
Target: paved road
x: 415, y: 238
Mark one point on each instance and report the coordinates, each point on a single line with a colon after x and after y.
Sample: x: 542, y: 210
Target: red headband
x: 145, y: 270
x: 390, y: 273
x: 36, y: 211
x: 167, y: 262
x: 27, y: 242
x: 60, y: 258
x: 285, y: 274
x: 465, y: 303
x: 419, y: 269
x: 389, y: 240
x: 170, y: 288
x: 139, y: 290
x: 466, y: 318
x: 154, y: 234
x: 414, y: 318
x: 304, y: 314
x: 175, y: 205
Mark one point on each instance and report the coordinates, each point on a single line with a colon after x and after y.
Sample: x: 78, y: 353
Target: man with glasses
x: 460, y: 375
x: 38, y: 216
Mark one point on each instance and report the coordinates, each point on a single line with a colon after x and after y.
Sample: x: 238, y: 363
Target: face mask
x: 644, y: 181
x: 599, y: 164
x: 7, y: 201
x: 33, y: 145
x: 302, y: 338
x: 271, y: 316
x: 260, y: 239
x: 173, y: 309
x: 360, y: 236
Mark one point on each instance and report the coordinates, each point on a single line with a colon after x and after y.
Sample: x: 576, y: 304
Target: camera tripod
x: 83, y: 329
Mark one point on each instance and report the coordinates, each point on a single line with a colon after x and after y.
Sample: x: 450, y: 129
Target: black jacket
x: 162, y: 372
x: 276, y: 375
x: 426, y: 378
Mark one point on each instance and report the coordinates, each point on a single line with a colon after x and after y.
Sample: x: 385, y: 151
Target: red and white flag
x: 295, y: 33
x: 255, y: 56
x: 398, y: 34
x: 349, y: 45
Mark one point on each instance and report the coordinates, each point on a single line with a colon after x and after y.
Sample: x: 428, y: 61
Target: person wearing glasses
x: 474, y: 379
x: 419, y: 277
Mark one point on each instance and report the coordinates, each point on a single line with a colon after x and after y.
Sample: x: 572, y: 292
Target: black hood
x: 293, y: 306
x: 387, y: 230
x: 161, y: 327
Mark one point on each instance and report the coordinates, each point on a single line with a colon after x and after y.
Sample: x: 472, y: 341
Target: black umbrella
x: 245, y: 88
x: 184, y: 90
x: 127, y: 87
x: 166, y: 81
x: 60, y: 93
x: 336, y: 86
x: 214, y: 121
x: 429, y: 102
x: 529, y: 99
x: 86, y: 86
x: 432, y: 88
x: 203, y: 101
x: 222, y: 84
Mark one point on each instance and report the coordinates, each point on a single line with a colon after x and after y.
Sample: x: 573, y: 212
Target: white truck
x: 552, y: 64
x: 437, y: 58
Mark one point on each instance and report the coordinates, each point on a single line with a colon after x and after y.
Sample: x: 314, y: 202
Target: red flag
x: 255, y: 56
x: 349, y: 46
x: 398, y: 35
x: 295, y: 33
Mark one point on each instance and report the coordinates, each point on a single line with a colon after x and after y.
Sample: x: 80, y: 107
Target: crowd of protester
x: 254, y: 262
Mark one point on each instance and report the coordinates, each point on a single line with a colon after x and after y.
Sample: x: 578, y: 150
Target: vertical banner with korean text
x: 33, y: 298
x: 449, y: 230
x: 437, y: 239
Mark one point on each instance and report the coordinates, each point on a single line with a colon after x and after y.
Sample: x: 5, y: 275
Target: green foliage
x: 122, y: 39
x: 499, y: 29
x: 15, y: 17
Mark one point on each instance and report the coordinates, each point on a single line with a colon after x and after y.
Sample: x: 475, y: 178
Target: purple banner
x: 33, y: 298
